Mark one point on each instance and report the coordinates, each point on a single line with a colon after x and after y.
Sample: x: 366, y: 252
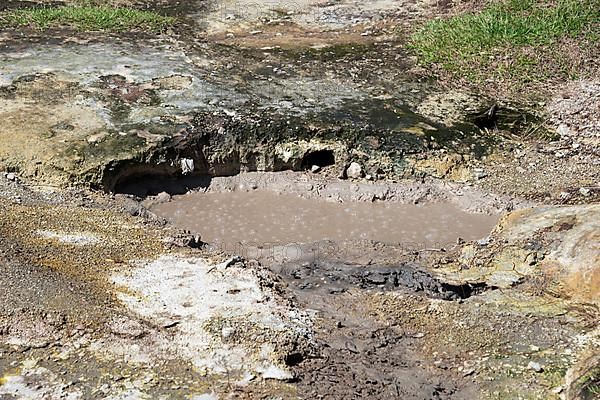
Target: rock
x: 479, y: 173
x: 227, y: 331
x: 535, y: 366
x: 354, y: 171
x: 314, y: 169
x: 11, y: 176
x: 558, y: 390
x: 484, y: 242
x: 187, y: 166
x: 274, y: 372
x: 125, y: 327
x: 564, y: 240
x: 585, y: 192
x: 565, y: 195
x: 163, y: 197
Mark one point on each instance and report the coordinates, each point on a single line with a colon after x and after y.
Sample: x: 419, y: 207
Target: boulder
x: 354, y: 171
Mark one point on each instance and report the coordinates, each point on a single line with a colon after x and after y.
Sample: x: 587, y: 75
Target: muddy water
x: 263, y: 218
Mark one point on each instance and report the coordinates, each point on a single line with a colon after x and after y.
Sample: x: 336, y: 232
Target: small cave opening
x: 320, y: 158
x: 293, y: 359
x: 487, y: 119
x: 145, y: 185
x: 143, y: 180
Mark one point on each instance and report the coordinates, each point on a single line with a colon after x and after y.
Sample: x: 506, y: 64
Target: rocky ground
x: 102, y: 299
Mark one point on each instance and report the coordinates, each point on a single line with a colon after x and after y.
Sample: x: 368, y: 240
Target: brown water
x: 265, y: 218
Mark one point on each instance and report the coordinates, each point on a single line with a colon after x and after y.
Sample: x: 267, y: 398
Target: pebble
x: 565, y: 195
x: 11, y: 176
x: 163, y: 197
x: 585, y: 192
x: 484, y: 242
x: 187, y: 166
x: 479, y: 173
x: 535, y: 366
x: 314, y: 169
x: 354, y: 171
x: 557, y: 390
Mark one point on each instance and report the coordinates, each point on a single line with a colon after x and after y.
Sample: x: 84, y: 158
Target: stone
x: 277, y: 373
x: 558, y: 390
x: 485, y: 241
x: 314, y: 169
x: 187, y: 166
x: 479, y: 173
x: 163, y: 197
x: 565, y: 247
x: 535, y: 366
x: 11, y: 176
x: 585, y: 192
x: 565, y: 195
x: 354, y: 171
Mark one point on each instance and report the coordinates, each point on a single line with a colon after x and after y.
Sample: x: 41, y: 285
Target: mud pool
x: 264, y: 218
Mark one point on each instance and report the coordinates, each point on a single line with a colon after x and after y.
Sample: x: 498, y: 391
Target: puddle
x: 263, y: 218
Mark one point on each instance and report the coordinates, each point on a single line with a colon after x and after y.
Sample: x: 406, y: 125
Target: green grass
x: 87, y: 18
x: 513, y: 36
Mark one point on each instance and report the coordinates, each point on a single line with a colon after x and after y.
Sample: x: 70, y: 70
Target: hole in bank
x: 320, y: 158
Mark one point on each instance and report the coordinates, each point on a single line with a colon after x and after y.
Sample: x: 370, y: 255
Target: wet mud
x: 263, y: 218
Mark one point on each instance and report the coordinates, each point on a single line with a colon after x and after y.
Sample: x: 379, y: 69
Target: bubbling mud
x: 264, y: 218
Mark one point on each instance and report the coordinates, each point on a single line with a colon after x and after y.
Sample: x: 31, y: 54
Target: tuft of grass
x: 512, y: 37
x: 87, y: 18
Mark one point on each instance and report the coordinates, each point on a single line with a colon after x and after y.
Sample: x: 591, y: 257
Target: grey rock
x: 479, y: 173
x: 163, y: 197
x: 535, y: 366
x: 314, y: 169
x: 354, y: 171
x: 585, y: 192
x: 11, y: 176
x: 484, y: 242
x: 565, y: 195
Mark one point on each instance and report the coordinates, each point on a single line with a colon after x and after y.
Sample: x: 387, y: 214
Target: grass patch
x: 511, y: 39
x: 87, y: 18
